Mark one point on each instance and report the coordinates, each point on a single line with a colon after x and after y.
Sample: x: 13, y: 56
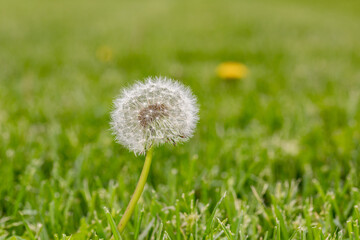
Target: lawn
x: 275, y: 155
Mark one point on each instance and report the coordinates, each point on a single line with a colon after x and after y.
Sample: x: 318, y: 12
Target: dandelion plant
x: 150, y: 113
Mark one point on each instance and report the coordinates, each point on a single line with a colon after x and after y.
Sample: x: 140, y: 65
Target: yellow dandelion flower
x: 232, y: 70
x: 104, y: 54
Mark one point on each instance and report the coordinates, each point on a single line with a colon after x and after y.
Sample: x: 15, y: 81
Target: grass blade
x: 114, y: 230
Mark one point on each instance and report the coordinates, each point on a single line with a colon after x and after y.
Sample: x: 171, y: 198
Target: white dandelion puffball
x: 153, y: 112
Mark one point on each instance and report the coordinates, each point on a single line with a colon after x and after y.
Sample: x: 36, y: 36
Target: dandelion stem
x: 138, y: 191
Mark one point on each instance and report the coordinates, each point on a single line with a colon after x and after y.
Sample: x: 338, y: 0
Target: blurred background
x: 285, y: 132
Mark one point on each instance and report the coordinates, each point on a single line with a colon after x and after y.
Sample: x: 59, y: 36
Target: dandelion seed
x: 153, y: 112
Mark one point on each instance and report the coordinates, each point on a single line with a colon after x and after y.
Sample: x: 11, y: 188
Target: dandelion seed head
x: 154, y: 112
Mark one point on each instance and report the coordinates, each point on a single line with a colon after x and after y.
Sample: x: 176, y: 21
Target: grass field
x: 283, y: 144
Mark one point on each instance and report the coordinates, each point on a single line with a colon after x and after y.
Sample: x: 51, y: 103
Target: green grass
x: 283, y: 144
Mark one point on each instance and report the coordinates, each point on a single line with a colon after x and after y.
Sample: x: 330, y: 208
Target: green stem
x: 138, y: 190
